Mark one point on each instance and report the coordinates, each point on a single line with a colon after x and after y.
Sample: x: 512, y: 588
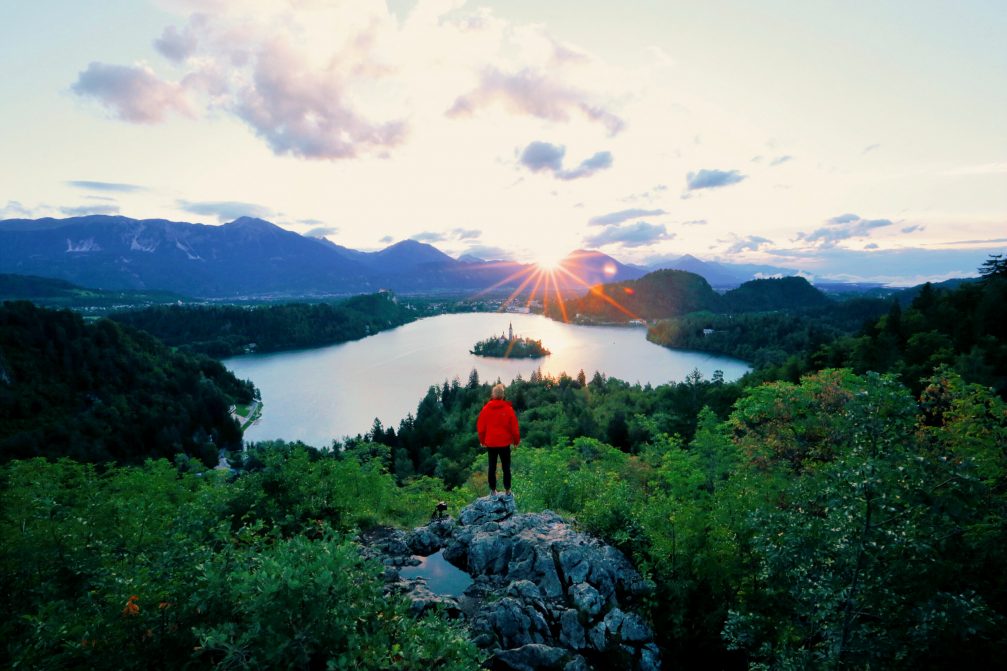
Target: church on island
x: 507, y: 346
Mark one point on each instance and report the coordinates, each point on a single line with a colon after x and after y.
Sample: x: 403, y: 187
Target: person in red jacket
x: 498, y: 431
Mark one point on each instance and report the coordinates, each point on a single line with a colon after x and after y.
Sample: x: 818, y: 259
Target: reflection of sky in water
x: 442, y: 577
x: 319, y: 394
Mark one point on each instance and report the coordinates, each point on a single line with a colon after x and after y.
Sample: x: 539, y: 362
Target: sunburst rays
x: 545, y: 285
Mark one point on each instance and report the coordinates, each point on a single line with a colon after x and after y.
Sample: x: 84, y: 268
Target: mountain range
x: 250, y: 257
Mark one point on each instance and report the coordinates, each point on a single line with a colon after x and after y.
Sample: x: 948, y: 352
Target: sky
x: 852, y: 140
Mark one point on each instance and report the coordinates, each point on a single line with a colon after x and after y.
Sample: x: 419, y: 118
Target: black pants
x: 504, y: 454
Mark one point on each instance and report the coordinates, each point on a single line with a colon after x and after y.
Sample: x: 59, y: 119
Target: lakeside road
x: 245, y: 421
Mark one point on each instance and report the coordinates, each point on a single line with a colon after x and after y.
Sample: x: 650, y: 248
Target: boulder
x: 544, y: 596
x: 488, y: 509
x: 571, y: 632
x: 586, y: 599
x: 426, y: 540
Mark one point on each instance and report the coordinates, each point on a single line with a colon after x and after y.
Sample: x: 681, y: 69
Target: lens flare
x: 549, y: 261
x: 549, y: 281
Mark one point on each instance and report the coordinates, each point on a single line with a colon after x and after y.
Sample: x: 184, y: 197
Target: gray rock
x: 571, y: 633
x: 578, y: 663
x: 516, y: 625
x: 634, y: 629
x: 532, y: 657
x: 488, y: 509
x: 613, y: 621
x: 650, y: 658
x: 586, y: 599
x: 488, y: 553
x: 525, y: 590
x: 597, y: 636
x: 424, y: 541
x: 422, y: 600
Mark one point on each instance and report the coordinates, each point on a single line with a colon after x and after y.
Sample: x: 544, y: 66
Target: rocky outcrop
x: 543, y: 596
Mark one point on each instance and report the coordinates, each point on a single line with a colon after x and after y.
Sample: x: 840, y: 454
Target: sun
x: 548, y: 261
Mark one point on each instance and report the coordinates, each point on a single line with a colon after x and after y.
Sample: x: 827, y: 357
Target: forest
x: 228, y: 330
x: 101, y: 392
x: 962, y: 327
x: 848, y: 516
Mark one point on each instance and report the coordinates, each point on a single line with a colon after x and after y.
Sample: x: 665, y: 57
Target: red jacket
x: 497, y: 425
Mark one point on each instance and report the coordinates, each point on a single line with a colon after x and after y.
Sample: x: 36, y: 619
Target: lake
x: 331, y: 392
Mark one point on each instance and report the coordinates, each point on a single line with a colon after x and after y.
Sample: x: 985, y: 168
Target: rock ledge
x: 544, y: 596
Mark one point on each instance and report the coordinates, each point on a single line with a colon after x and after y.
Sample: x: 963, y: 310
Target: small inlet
x: 442, y: 577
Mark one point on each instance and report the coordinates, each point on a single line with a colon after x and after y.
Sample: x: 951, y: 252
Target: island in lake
x: 509, y: 347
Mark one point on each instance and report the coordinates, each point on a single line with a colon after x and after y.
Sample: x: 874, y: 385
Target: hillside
x: 660, y: 294
x: 51, y: 292
x: 227, y: 330
x: 784, y: 293
x: 671, y: 293
x: 102, y: 392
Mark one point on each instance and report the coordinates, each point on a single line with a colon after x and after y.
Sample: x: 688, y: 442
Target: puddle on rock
x: 442, y: 578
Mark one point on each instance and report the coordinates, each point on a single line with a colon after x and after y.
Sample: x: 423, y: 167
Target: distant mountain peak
x: 250, y: 222
x: 410, y: 253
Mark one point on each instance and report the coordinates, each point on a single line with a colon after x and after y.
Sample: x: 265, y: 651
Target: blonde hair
x: 498, y: 391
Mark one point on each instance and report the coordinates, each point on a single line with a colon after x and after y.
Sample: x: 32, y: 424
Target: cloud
x: 914, y: 228
x: 116, y: 187
x: 842, y: 227
x: 428, y: 236
x: 324, y: 80
x: 780, y: 160
x: 539, y: 156
x: 386, y: 239
x: 307, y: 113
x: 872, y: 245
x: 533, y: 93
x: 639, y: 234
x: 600, y: 161
x: 132, y: 93
x: 267, y: 75
x: 176, y: 45
x: 990, y: 241
x: 15, y: 210
x: 546, y: 157
x: 85, y: 210
x: 695, y: 222
x: 443, y: 236
x: 842, y: 219
x: 225, y: 210
x: 321, y: 231
x: 751, y: 243
x: 712, y: 179
x: 488, y: 253
x: 621, y: 216
x: 871, y: 147
x: 981, y: 169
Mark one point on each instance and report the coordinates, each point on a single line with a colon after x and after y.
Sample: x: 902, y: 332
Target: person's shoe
x: 493, y: 492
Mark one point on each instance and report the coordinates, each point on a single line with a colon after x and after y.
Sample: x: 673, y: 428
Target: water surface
x: 328, y: 393
x: 442, y: 577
